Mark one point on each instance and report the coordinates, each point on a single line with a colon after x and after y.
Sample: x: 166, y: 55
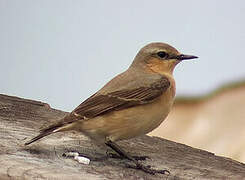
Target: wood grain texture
x: 20, y: 119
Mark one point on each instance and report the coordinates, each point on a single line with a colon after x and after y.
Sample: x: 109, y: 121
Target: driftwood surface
x: 20, y: 120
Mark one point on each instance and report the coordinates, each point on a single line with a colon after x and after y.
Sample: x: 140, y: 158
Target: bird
x: 133, y: 103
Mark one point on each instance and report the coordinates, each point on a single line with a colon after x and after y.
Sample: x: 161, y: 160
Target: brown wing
x: 103, y: 103
x: 99, y: 104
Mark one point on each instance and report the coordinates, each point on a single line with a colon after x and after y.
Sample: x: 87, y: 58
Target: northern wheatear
x: 133, y: 103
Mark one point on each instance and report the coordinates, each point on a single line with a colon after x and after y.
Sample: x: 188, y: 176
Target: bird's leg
x: 140, y: 166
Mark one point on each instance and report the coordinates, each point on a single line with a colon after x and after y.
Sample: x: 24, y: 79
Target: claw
x: 122, y: 153
x: 141, y: 158
x: 147, y: 169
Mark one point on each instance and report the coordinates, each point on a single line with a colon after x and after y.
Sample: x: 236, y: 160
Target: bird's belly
x: 130, y: 122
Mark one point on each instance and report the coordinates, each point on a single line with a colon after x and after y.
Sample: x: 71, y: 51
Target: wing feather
x: 103, y: 103
x: 99, y: 104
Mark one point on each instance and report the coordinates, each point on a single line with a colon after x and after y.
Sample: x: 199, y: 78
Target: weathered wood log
x: 20, y: 119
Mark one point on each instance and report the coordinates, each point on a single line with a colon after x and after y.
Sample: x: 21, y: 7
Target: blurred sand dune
x: 215, y: 122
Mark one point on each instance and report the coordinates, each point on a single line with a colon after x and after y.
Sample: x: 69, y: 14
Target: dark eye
x: 162, y: 54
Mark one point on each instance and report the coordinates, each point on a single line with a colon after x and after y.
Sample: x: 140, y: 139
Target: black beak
x: 185, y: 57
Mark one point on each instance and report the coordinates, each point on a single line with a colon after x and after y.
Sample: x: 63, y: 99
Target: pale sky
x: 60, y: 52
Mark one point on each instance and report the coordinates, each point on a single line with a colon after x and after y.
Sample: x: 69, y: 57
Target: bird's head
x: 159, y: 58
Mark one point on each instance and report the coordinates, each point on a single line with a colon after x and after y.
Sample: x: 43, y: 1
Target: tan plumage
x: 133, y: 103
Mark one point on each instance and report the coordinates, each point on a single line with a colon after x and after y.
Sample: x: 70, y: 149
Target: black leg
x: 140, y: 166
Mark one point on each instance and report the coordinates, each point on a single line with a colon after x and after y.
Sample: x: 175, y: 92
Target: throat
x: 161, y: 68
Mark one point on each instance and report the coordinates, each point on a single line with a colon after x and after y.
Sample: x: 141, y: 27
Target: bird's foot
x: 141, y: 158
x: 147, y: 169
x: 138, y: 165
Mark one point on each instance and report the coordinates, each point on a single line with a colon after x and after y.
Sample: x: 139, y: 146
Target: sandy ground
x: 215, y: 122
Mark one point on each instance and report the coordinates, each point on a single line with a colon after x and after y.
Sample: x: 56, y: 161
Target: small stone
x: 82, y: 160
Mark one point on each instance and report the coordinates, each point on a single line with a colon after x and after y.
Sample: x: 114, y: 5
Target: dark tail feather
x: 41, y: 135
x: 45, y: 132
x: 53, y: 128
